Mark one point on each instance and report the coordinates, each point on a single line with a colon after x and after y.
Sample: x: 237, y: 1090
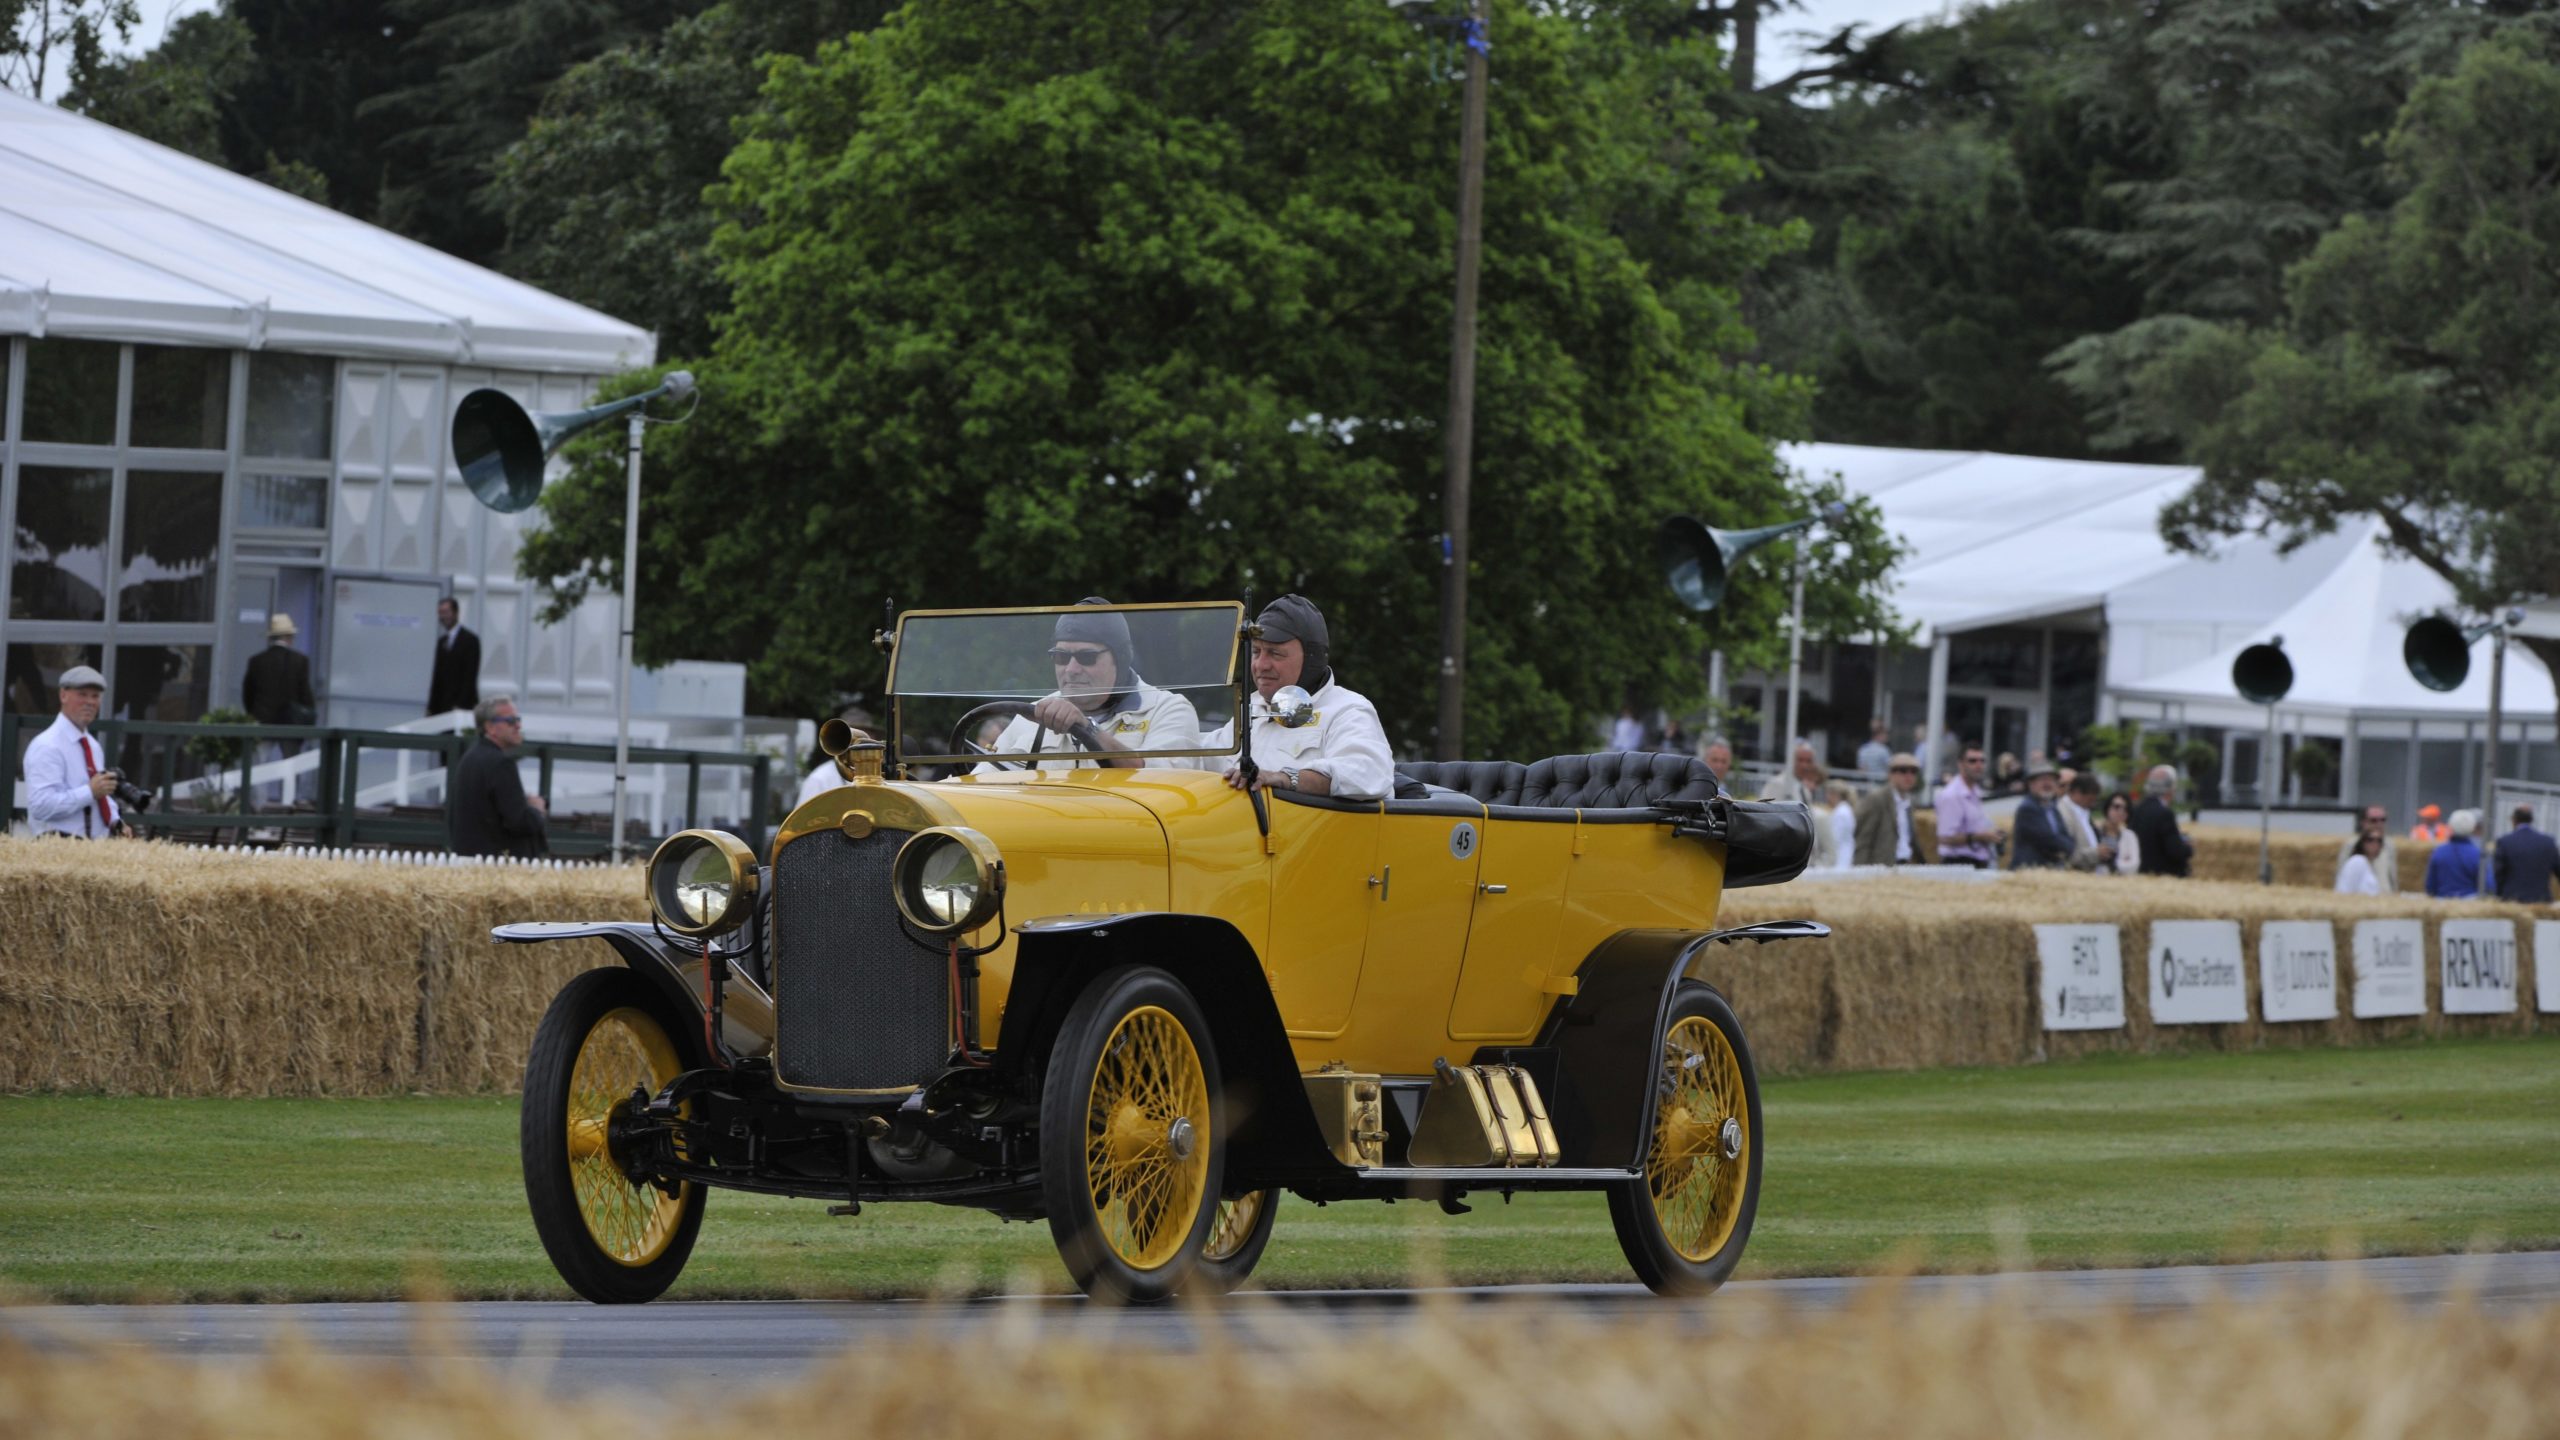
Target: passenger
x: 1340, y: 749
x: 1098, y: 680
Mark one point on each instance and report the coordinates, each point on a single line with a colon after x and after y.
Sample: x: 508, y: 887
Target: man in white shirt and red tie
x: 69, y: 790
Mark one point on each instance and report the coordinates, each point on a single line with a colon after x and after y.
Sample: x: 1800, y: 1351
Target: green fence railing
x: 157, y: 755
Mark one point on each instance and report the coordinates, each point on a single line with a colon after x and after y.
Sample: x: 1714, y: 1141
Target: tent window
x: 71, y: 392
x: 292, y: 399
x: 181, y: 397
x: 171, y: 523
x: 61, y: 569
x: 284, y: 502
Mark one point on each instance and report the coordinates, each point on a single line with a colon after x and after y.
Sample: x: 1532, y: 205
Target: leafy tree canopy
x: 1042, y: 300
x: 2415, y: 375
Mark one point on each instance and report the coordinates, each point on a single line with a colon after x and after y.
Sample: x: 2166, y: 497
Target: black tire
x: 615, y: 1242
x: 1132, y: 1059
x: 1701, y: 1144
x: 1237, y: 1238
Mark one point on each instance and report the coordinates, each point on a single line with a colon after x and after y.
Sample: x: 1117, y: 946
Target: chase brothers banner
x: 2197, y: 977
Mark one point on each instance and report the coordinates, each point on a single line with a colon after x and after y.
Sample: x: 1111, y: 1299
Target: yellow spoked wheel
x: 627, y: 1050
x: 1683, y: 1223
x: 1236, y: 1241
x: 614, y: 1239
x: 1131, y: 1142
x: 1700, y: 1131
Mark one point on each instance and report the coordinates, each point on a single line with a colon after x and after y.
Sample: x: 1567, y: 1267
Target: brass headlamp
x: 702, y: 883
x: 948, y: 880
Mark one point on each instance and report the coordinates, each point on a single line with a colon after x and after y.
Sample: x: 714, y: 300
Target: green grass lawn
x: 2118, y: 1160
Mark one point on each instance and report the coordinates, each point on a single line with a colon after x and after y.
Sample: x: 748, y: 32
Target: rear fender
x: 1273, y: 1135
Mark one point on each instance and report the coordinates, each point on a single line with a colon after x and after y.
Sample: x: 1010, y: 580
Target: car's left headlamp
x: 948, y: 880
x: 702, y: 883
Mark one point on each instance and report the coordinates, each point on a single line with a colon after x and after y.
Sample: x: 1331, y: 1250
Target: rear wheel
x: 1132, y: 1136
x: 1236, y: 1241
x: 616, y: 1240
x: 1684, y: 1223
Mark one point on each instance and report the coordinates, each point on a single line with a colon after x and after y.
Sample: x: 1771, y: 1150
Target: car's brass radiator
x: 857, y: 1004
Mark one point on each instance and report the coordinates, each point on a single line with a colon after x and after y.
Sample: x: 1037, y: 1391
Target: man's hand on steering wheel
x: 1056, y: 712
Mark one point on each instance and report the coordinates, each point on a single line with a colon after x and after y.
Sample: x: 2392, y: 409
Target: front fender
x: 746, y: 1010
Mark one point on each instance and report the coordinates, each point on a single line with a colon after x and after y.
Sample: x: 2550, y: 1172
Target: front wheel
x: 616, y: 1240
x: 1684, y: 1222
x: 1236, y: 1241
x: 1132, y: 1136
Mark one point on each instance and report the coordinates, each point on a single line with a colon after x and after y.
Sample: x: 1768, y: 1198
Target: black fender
x: 1274, y: 1135
x: 636, y: 942
x: 1604, y: 1042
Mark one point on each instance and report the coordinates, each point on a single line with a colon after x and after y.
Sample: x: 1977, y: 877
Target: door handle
x: 1379, y: 881
x: 1495, y: 889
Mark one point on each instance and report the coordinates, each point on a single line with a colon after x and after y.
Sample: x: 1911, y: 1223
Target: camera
x: 129, y: 796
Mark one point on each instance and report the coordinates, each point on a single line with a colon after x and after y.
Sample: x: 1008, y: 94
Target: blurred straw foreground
x: 2324, y: 1364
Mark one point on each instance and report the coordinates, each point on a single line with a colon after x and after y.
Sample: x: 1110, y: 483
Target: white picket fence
x: 426, y: 859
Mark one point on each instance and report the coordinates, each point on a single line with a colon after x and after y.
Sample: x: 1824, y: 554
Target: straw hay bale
x: 1922, y: 972
x: 163, y: 970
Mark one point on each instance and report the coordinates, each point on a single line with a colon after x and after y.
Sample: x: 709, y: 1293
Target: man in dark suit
x: 2038, y: 839
x: 2526, y: 860
x: 277, y: 687
x: 455, y: 685
x: 2155, y: 826
x: 486, y: 808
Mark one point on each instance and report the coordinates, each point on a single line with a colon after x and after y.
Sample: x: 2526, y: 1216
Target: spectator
x: 1929, y: 755
x: 1965, y: 836
x: 2357, y: 874
x: 2430, y: 826
x: 1884, y: 835
x: 276, y: 690
x: 486, y: 808
x: 1718, y: 757
x: 2079, y: 809
x: 454, y: 684
x: 1675, y: 737
x: 2525, y: 862
x: 2453, y: 871
x: 1804, y: 783
x: 2117, y: 831
x: 1876, y: 756
x: 2039, y: 839
x: 1628, y: 733
x: 2154, y: 825
x: 1843, y: 819
x: 2006, y: 777
x: 2375, y: 820
x: 69, y: 789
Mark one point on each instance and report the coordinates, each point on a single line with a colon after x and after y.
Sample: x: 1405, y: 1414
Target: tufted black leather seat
x: 1616, y: 780
x: 1494, y: 782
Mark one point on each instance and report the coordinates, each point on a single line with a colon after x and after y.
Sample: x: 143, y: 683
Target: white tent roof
x: 105, y: 235
x: 2343, y: 638
x: 2001, y: 539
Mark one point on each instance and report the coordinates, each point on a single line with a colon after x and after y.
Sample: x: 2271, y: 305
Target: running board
x: 1496, y: 1176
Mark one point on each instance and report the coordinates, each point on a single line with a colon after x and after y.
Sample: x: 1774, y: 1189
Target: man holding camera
x: 70, y: 789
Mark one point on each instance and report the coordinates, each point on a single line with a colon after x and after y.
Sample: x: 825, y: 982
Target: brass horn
x: 501, y: 447
x: 2262, y: 674
x: 1698, y: 558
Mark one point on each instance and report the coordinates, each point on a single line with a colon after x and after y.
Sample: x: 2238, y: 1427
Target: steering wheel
x: 1082, y: 732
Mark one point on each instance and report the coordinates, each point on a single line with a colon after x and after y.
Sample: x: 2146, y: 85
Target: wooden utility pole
x: 1462, y: 397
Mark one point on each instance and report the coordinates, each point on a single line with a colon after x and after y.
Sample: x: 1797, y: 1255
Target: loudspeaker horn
x: 2438, y: 652
x: 1697, y: 558
x: 2262, y: 674
x: 501, y: 447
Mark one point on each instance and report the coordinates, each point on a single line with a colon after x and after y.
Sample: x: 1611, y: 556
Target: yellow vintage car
x: 1140, y: 1003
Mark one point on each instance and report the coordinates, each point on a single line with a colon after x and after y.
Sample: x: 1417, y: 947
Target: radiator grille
x: 857, y: 1005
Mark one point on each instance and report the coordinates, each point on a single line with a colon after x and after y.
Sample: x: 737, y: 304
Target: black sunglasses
x: 1086, y: 658
x: 506, y: 720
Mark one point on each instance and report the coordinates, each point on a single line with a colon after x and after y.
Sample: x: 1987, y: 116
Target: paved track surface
x: 571, y: 1347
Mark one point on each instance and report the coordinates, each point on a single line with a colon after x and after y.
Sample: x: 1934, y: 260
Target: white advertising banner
x: 2297, y: 970
x: 2196, y: 974
x: 2391, y: 976
x: 2546, y: 966
x: 2081, y: 972
x: 2476, y: 961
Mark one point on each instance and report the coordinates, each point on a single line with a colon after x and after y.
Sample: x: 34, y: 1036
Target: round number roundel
x: 1462, y: 840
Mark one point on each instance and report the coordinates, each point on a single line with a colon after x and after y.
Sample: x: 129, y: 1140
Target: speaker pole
x: 2268, y: 765
x: 624, y: 609
x: 2489, y: 756
x: 1795, y: 661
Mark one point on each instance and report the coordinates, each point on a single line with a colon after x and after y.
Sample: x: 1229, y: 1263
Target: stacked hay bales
x: 163, y: 970
x: 1924, y: 972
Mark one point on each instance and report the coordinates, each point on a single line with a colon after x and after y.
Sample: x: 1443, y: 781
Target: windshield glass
x: 1151, y: 680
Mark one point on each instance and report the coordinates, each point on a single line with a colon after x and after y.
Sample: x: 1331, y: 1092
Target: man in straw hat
x: 1885, y: 836
x: 69, y: 789
x: 276, y: 690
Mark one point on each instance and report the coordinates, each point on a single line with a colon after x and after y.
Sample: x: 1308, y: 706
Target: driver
x: 1098, y: 682
x: 1340, y: 749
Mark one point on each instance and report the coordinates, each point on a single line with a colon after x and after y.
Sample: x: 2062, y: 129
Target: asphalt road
x: 572, y: 1347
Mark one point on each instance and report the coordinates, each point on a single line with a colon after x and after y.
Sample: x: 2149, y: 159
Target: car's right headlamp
x: 948, y: 880
x: 702, y: 883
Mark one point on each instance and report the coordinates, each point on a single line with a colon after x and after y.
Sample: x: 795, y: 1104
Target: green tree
x: 176, y: 93
x: 1046, y: 299
x: 42, y: 41
x: 2412, y: 378
x: 603, y: 196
